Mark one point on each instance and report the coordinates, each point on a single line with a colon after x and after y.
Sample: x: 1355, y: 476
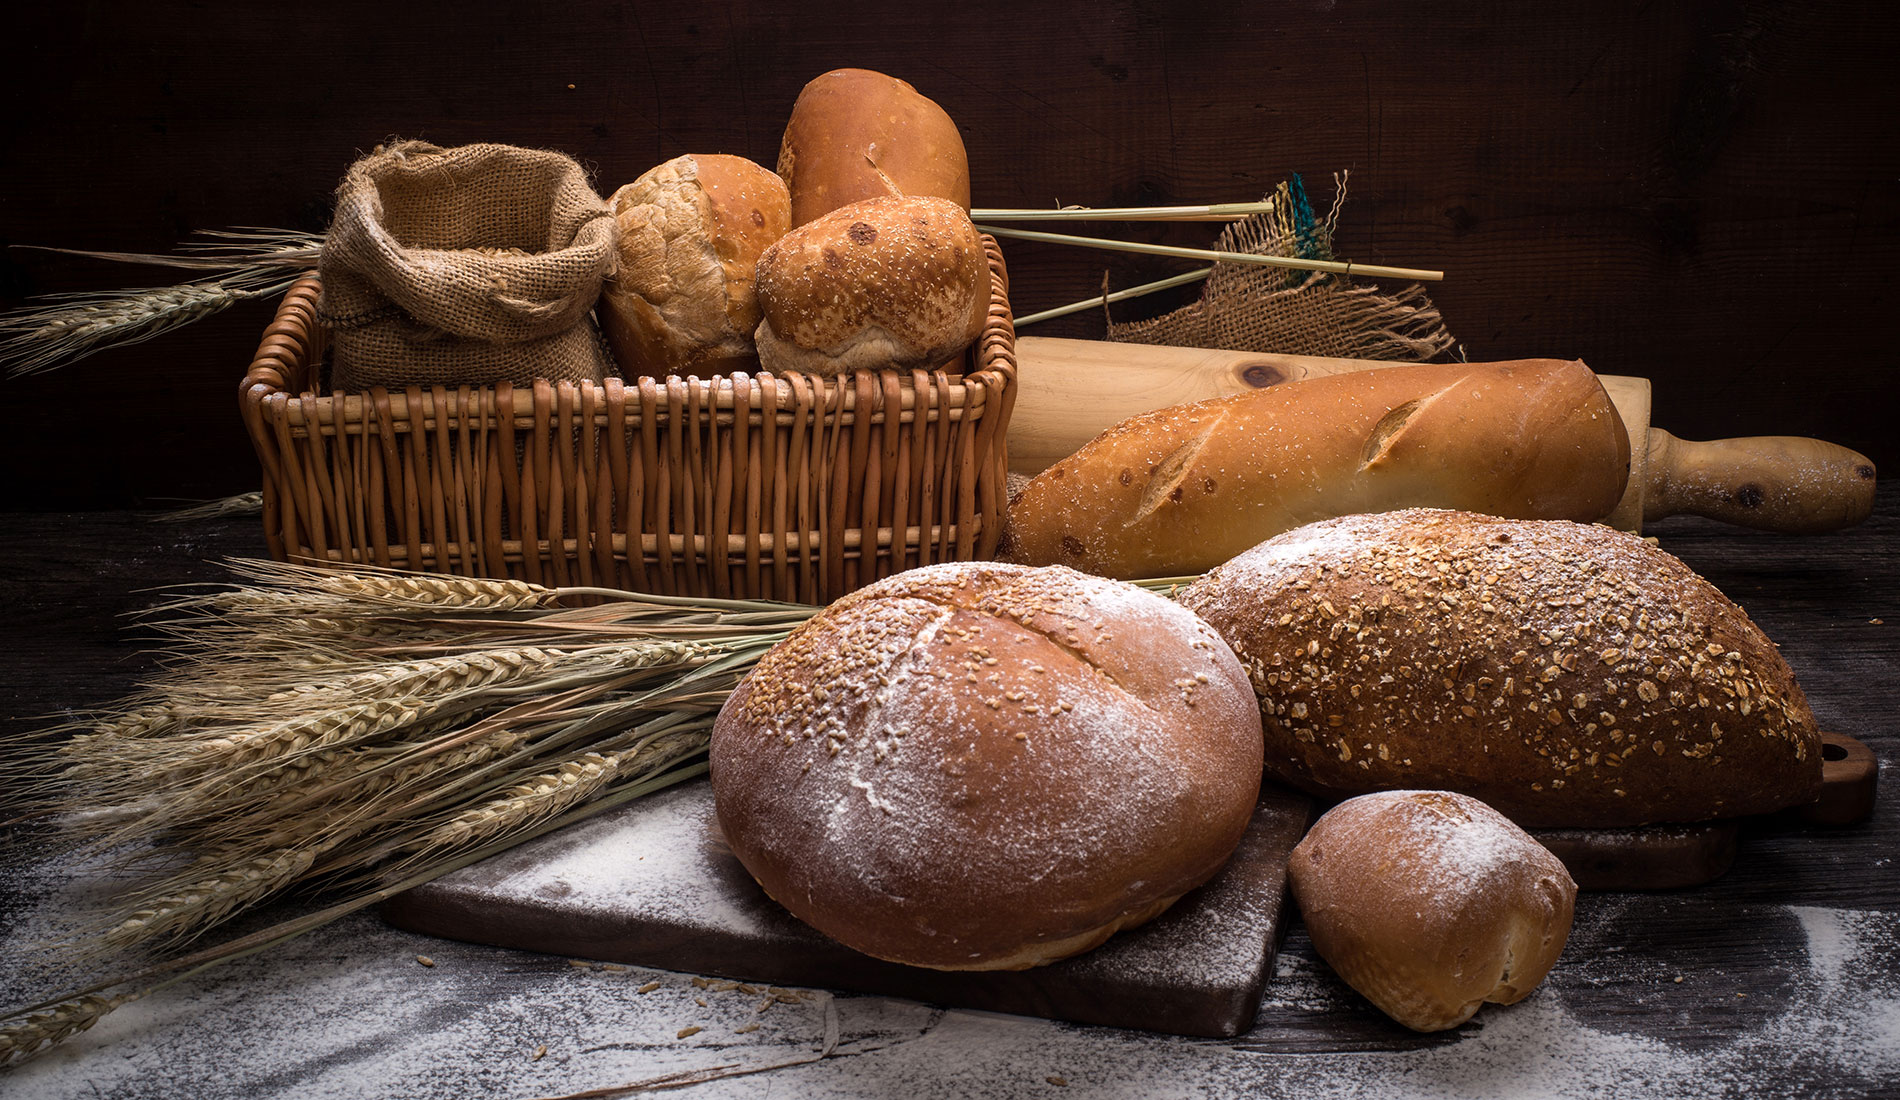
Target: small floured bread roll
x: 975, y: 766
x: 884, y: 283
x: 682, y: 298
x: 855, y: 134
x: 1431, y: 903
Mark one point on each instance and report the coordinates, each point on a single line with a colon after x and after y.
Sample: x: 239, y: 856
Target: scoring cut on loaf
x: 1182, y: 489
x: 975, y: 766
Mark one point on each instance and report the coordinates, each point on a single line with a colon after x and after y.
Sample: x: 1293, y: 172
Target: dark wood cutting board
x: 650, y: 884
x: 1668, y: 857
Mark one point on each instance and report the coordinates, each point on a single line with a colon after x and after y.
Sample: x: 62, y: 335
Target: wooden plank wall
x: 1704, y: 191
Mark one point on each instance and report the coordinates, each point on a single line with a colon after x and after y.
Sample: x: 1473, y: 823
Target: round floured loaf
x: 690, y: 231
x: 1567, y: 674
x: 855, y: 134
x: 975, y: 766
x: 1431, y: 904
x: 884, y: 283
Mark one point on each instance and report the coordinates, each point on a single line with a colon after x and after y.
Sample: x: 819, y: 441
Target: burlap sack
x: 1270, y: 309
x: 472, y: 265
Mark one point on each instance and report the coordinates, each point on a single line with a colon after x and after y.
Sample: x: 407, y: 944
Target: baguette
x: 1567, y: 674
x: 1182, y: 489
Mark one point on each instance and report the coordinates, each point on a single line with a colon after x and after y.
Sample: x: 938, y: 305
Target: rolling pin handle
x: 1784, y: 483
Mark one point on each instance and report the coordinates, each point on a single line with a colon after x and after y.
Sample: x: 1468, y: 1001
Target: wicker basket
x: 789, y: 487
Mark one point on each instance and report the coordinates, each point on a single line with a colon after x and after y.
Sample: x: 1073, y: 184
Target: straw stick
x: 1117, y: 296
x: 1217, y: 212
x: 1336, y: 267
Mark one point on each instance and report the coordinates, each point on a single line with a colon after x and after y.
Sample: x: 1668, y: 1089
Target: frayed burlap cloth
x: 470, y: 265
x: 1267, y: 309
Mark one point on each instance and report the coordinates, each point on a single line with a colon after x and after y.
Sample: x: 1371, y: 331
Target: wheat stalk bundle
x: 244, y: 264
x: 358, y: 731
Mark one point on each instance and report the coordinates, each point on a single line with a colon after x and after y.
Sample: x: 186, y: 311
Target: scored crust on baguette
x: 976, y: 766
x: 682, y: 299
x: 855, y: 134
x: 883, y: 283
x: 1431, y: 904
x: 1182, y: 489
x: 1567, y: 674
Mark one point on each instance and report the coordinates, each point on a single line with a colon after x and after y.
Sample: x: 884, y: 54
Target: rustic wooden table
x: 1782, y: 978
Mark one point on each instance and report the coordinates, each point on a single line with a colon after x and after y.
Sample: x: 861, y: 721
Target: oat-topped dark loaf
x: 1568, y: 674
x: 974, y: 766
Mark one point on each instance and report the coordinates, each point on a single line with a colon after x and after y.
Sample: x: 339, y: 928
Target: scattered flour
x: 346, y: 1012
x: 667, y: 833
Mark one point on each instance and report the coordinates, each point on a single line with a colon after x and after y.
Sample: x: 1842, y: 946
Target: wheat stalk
x: 333, y: 776
x: 32, y: 1033
x: 206, y: 901
x: 410, y: 726
x: 240, y: 504
x: 231, y: 251
x: 249, y: 263
x: 305, y: 734
x: 546, y: 795
x: 33, y: 1028
x: 436, y: 675
x: 146, y: 721
x: 279, y: 784
x: 72, y: 327
x: 394, y: 587
x: 394, y: 697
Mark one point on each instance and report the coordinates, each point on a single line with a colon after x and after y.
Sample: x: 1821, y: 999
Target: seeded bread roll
x: 1182, y: 489
x: 1431, y: 904
x: 856, y: 134
x: 884, y: 283
x: 682, y: 299
x: 1567, y: 674
x: 975, y: 766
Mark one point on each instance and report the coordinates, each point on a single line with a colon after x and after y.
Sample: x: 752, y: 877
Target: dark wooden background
x: 1704, y: 192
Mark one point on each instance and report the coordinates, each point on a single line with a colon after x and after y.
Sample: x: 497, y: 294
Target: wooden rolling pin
x: 1072, y: 390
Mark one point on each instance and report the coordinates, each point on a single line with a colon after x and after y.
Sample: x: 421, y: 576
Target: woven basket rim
x: 787, y: 486
x: 283, y: 351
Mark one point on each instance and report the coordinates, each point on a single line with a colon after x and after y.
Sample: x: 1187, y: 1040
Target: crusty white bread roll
x: 884, y: 283
x: 690, y: 231
x: 1431, y: 904
x: 1182, y: 489
x: 974, y: 766
x: 1567, y: 674
x: 856, y: 134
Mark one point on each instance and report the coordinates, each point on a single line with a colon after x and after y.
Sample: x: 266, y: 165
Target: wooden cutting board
x: 1069, y: 391
x: 650, y: 884
x: 1668, y: 857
